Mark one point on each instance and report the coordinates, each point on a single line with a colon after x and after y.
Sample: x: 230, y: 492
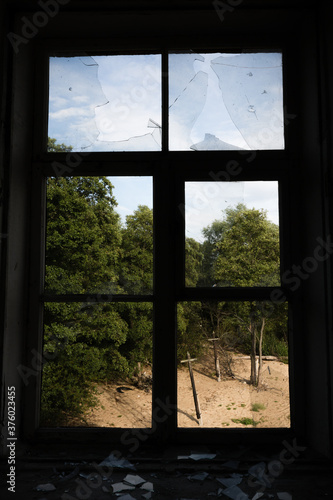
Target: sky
x: 206, y: 201
x: 216, y: 101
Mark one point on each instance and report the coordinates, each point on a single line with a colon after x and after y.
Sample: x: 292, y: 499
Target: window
x: 204, y: 133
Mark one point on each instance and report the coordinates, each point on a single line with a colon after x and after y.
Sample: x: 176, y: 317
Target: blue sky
x: 223, y: 101
x: 205, y: 202
x: 131, y: 192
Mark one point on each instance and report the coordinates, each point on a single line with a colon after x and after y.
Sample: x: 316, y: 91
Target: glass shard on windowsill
x: 133, y: 480
x: 113, y: 461
x: 117, y: 487
x: 235, y: 493
x: 231, y: 481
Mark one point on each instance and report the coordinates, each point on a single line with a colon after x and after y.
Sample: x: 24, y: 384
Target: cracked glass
x: 106, y: 103
x: 226, y: 101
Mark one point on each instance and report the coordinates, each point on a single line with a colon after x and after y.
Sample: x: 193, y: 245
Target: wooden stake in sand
x: 195, y: 395
x: 217, y: 361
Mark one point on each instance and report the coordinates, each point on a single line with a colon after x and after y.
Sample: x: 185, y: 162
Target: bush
x: 272, y: 346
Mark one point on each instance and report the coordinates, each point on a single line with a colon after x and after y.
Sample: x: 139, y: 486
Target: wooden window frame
x: 170, y: 170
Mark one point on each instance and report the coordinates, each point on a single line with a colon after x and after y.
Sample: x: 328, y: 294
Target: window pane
x: 106, y: 103
x: 95, y: 245
x: 232, y: 234
x: 97, y: 364
x: 233, y: 387
x: 226, y: 101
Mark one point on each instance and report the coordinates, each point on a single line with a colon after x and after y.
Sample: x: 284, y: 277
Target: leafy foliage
x: 53, y: 147
x: 248, y: 252
x: 83, y: 235
x: 89, y: 251
x: 137, y: 252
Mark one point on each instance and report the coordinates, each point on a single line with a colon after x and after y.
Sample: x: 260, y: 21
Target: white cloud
x: 63, y: 114
x: 206, y: 201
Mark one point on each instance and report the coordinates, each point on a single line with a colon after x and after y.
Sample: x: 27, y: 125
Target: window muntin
x: 217, y: 101
x: 137, y: 167
x: 99, y: 248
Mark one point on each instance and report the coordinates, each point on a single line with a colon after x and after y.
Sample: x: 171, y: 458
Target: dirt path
x: 221, y: 402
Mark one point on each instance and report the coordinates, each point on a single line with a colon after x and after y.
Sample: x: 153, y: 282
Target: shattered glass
x: 226, y: 101
x: 106, y: 103
x: 187, y: 97
x: 216, y: 102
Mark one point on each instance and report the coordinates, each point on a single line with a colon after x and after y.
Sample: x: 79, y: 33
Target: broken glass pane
x: 106, y: 103
x: 187, y: 97
x: 233, y: 365
x: 226, y: 101
x: 232, y: 234
x: 97, y: 364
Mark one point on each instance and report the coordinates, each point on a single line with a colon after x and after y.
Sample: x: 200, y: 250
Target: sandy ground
x: 220, y: 402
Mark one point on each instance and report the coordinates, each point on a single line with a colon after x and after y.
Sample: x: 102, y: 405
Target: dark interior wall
x: 312, y: 228
x: 16, y: 162
x: 326, y: 68
x: 311, y: 183
x: 3, y: 228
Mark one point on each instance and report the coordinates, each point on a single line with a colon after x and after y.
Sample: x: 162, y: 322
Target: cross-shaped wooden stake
x: 195, y: 395
x: 217, y: 361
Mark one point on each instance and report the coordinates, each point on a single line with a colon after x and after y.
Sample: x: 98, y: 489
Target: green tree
x: 248, y: 255
x: 213, y: 235
x: 189, y: 330
x: 83, y: 252
x: 53, y: 147
x: 136, y: 273
x: 193, y: 261
x: 83, y: 236
x: 89, y: 252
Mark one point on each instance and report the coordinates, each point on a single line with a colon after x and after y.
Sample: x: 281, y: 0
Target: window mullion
x: 164, y: 350
x: 165, y: 102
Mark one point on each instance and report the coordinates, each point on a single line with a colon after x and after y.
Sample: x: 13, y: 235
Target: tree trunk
x: 260, y: 348
x: 253, y: 378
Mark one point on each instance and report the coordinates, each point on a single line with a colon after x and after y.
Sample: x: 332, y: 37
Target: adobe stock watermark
x: 211, y: 190
x: 262, y: 476
x: 120, y: 109
x: 223, y: 7
x: 298, y: 273
x: 72, y: 161
x: 133, y: 438
x: 39, y: 361
x: 30, y: 27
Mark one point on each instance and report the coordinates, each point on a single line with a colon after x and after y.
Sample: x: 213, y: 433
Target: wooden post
x: 139, y: 374
x: 195, y: 395
x: 217, y: 361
